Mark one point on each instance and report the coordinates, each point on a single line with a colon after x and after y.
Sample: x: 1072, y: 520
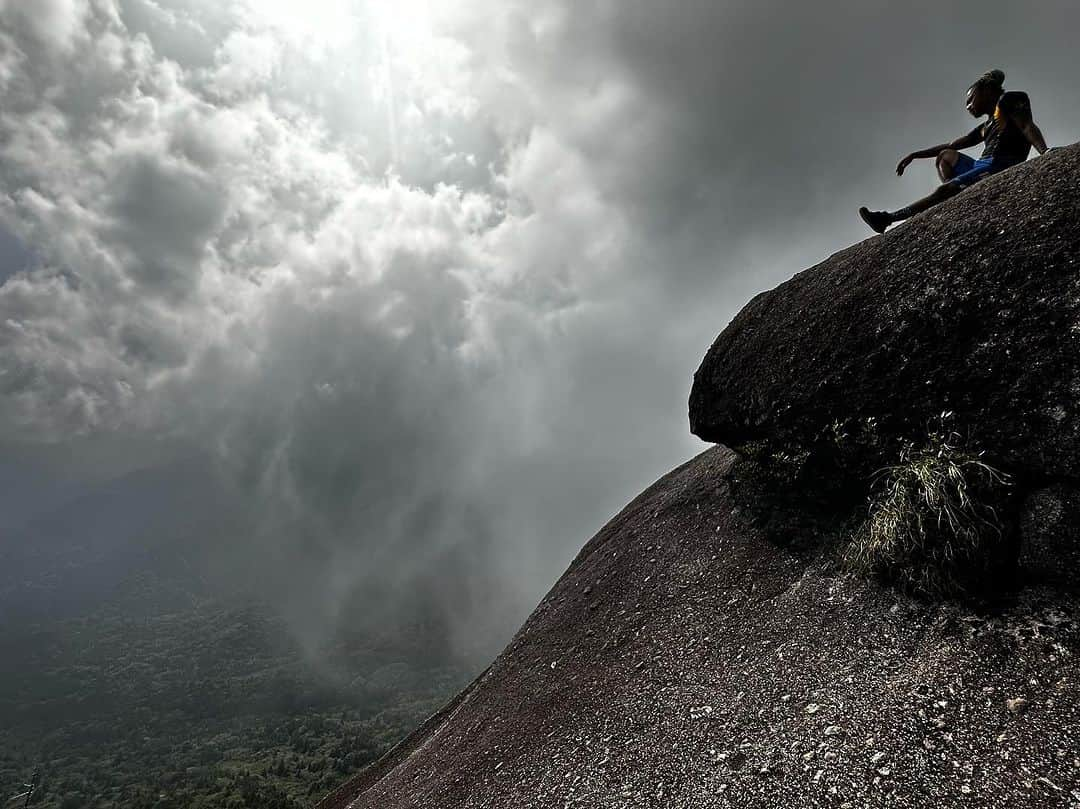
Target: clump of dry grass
x: 931, y: 525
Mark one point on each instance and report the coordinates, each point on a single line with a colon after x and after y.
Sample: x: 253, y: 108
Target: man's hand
x: 904, y: 163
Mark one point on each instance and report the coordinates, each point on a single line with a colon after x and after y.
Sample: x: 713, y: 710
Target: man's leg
x: 946, y: 164
x: 879, y: 220
x: 939, y: 194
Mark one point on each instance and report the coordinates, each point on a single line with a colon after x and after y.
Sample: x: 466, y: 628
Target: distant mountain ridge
x: 78, y: 552
x: 132, y: 666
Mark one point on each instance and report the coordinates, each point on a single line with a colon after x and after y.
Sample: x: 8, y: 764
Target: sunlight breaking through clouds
x: 428, y: 279
x: 347, y: 293
x: 318, y: 23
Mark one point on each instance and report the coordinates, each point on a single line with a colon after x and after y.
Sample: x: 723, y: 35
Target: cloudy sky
x: 423, y: 282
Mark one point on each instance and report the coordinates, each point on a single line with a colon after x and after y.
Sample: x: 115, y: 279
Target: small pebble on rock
x: 1018, y: 705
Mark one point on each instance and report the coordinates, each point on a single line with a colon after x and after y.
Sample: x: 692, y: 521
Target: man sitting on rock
x: 1009, y: 133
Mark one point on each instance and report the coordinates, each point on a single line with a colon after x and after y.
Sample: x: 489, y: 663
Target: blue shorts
x: 969, y: 170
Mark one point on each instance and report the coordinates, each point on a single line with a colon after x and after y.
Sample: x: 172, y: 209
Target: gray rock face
x: 687, y: 660
x: 684, y: 661
x: 973, y: 307
x: 1050, y: 535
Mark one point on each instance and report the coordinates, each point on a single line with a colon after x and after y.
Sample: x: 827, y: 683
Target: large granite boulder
x: 972, y: 307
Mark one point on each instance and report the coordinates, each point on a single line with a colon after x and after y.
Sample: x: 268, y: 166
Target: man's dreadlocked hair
x: 993, y: 79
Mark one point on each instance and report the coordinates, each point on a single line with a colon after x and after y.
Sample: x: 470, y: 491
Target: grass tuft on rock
x: 932, y: 525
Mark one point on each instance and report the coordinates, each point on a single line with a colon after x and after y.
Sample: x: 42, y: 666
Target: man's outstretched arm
x: 1034, y: 135
x: 963, y: 142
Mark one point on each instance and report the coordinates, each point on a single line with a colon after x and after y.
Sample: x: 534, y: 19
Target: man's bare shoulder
x: 1014, y: 102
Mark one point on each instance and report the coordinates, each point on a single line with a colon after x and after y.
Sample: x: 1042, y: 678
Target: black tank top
x: 1003, y: 138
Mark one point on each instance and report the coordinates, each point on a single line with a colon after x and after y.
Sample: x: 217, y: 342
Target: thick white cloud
x: 359, y: 312
x: 245, y: 62
x: 54, y: 25
x: 430, y: 279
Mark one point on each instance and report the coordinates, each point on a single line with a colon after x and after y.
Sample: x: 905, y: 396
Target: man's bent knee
x: 946, y: 163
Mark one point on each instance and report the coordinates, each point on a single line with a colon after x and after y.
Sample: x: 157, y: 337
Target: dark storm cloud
x: 434, y: 302
x: 752, y: 121
x: 14, y: 256
x: 164, y: 216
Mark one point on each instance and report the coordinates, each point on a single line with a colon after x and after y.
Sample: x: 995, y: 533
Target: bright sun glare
x: 402, y: 34
x: 335, y: 22
x: 404, y: 21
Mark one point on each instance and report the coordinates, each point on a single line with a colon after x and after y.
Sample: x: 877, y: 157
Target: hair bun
x: 994, y: 76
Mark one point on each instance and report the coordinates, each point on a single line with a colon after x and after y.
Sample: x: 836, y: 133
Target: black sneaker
x: 878, y: 220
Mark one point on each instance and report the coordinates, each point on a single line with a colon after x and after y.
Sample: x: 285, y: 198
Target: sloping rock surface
x: 973, y: 307
x: 685, y: 661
